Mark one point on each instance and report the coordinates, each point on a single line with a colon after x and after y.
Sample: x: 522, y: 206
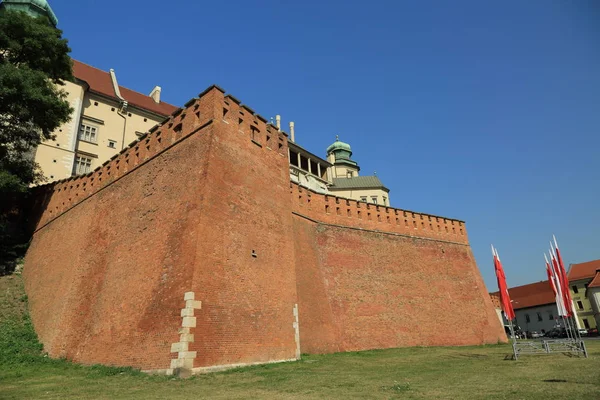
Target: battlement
x: 202, y: 205
x: 356, y: 214
x: 211, y: 105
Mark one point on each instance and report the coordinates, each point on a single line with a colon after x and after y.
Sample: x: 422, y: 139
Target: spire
x: 342, y: 153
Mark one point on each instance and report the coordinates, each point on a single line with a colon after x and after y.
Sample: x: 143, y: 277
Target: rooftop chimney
x: 278, y: 122
x: 292, y: 132
x: 155, y: 94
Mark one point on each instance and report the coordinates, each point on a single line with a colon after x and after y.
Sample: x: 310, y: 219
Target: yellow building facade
x: 584, y: 284
x: 106, y: 118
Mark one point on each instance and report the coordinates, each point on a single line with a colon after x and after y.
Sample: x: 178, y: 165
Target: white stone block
x: 187, y: 354
x: 186, y: 337
x: 188, y: 296
x: 187, y: 312
x: 189, y: 322
x: 177, y: 363
x: 196, y: 304
x: 177, y: 347
x: 184, y: 330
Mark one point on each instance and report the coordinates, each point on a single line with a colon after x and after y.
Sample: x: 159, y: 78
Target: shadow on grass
x: 12, y: 251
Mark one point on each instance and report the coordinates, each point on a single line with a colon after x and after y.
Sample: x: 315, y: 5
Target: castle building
x: 106, y: 118
x: 176, y: 257
x: 337, y: 175
x: 212, y: 240
x: 584, y: 279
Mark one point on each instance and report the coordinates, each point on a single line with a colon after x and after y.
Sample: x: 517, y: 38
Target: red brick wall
x: 364, y: 289
x: 248, y: 301
x: 106, y: 279
x: 181, y: 210
x: 203, y: 203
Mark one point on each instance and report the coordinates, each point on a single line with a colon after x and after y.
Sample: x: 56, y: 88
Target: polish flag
x: 556, y: 288
x: 569, y: 299
x: 550, y: 276
x: 561, y: 280
x: 503, y: 289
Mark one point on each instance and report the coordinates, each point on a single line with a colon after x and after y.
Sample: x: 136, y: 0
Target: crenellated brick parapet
x: 357, y: 214
x: 212, y: 105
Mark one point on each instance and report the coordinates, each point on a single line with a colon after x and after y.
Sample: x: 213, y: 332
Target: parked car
x: 519, y: 334
x: 536, y: 334
x: 557, y: 333
x: 583, y: 332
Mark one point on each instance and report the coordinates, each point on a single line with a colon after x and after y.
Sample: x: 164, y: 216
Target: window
x: 348, y: 174
x: 363, y: 198
x: 374, y: 199
x: 112, y: 144
x: 384, y: 201
x: 550, y: 315
x: 575, y: 289
x: 527, y: 320
x: 88, y: 133
x: 580, y: 305
x: 83, y: 165
x: 539, y: 315
x: 586, y: 323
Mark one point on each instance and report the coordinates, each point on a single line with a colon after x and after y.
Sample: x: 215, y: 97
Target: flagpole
x: 571, y: 307
x: 505, y: 299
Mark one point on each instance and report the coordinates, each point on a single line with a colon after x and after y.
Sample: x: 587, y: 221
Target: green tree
x: 34, y: 63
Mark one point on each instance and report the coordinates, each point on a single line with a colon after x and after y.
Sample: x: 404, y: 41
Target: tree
x: 34, y: 63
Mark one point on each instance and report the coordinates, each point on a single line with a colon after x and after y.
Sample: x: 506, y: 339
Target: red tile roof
x: 532, y: 295
x: 100, y: 82
x: 596, y: 281
x: 586, y: 270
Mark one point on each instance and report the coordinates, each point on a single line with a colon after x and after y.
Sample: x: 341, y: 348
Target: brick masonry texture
x: 203, y: 204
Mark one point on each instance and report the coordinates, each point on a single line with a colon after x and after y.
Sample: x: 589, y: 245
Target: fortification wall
x: 202, y: 209
x: 184, y: 209
x: 377, y: 277
x: 356, y: 214
x: 246, y: 270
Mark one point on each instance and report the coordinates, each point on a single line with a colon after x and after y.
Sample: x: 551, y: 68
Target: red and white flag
x: 564, y: 282
x: 556, y: 288
x: 502, y: 287
x: 569, y: 298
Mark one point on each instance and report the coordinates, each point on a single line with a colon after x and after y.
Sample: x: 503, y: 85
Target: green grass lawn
x: 478, y: 372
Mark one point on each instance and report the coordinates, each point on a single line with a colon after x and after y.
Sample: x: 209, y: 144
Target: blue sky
x: 486, y: 112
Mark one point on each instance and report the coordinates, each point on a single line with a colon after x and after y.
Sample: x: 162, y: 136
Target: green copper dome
x: 339, y: 145
x: 342, y: 154
x: 35, y: 8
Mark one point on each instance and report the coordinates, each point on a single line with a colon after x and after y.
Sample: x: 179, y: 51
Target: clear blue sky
x: 489, y: 113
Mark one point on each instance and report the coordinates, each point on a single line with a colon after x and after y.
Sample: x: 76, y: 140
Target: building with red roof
x: 534, y: 305
x: 584, y: 283
x: 106, y: 117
